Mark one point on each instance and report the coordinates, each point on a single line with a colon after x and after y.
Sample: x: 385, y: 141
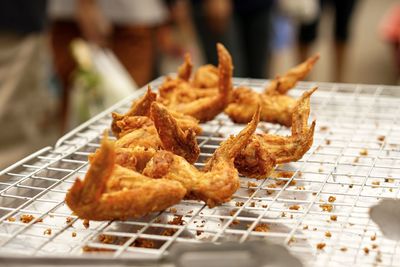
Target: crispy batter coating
x: 163, y: 133
x: 219, y: 179
x: 203, y: 104
x: 264, y: 151
x: 110, y: 191
x: 173, y: 138
x: 281, y: 85
x: 185, y: 70
x: 274, y: 108
x: 125, y: 123
x: 206, y: 77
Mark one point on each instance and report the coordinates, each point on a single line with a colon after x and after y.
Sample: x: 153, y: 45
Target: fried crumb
x: 190, y: 211
x: 73, y: 234
x: 106, y: 239
x: 294, y: 207
x: 68, y: 220
x: 374, y: 246
x: 326, y: 207
x: 252, y: 204
x: 26, y: 218
x: 261, y: 227
x: 234, y: 222
x: 320, y: 170
x: 239, y: 203
x: 343, y: 249
x: 86, y: 223
x: 47, y: 231
x: 305, y: 227
x: 366, y: 250
x: 331, y: 199
x: 265, y: 206
x: 333, y: 218
x: 39, y: 220
x: 283, y: 214
x: 351, y: 185
x: 328, y: 234
x: 251, y: 184
x: 168, y: 232
x: 11, y: 219
x: 315, y: 229
x: 283, y: 174
x: 389, y: 180
x: 323, y: 128
x: 250, y: 192
x: 173, y: 210
x: 232, y: 212
x: 300, y: 187
x: 177, y: 220
x: 363, y: 152
x: 143, y: 243
x: 381, y: 138
x: 269, y: 191
x: 356, y: 160
x: 199, y: 232
x: 158, y: 220
x: 375, y: 184
x: 314, y: 193
x: 327, y: 142
x: 92, y: 249
x: 321, y: 246
x: 373, y: 238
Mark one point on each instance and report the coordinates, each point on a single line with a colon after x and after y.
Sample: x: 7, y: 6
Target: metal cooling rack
x: 355, y: 159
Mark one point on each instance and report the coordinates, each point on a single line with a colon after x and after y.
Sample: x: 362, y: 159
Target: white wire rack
x: 320, y: 201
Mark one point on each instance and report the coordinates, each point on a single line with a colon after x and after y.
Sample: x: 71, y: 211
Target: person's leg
x: 343, y: 14
x: 306, y: 37
x: 230, y: 39
x: 134, y: 46
x: 61, y: 35
x: 256, y: 36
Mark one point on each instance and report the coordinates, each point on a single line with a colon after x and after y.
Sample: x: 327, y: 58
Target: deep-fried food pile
x: 149, y: 167
x: 110, y: 191
x: 276, y: 107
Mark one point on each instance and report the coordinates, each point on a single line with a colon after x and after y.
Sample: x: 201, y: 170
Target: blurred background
x: 50, y: 82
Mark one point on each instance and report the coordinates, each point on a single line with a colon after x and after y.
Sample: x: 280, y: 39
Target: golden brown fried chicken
x: 185, y: 70
x: 280, y: 85
x: 203, y: 104
x: 110, y: 191
x: 274, y: 108
x: 264, y: 151
x: 205, y: 77
x: 219, y: 179
x: 163, y: 133
x: 138, y: 116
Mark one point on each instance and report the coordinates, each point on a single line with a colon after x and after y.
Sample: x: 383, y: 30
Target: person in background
x: 133, y: 29
x: 27, y: 107
x: 308, y: 32
x: 243, y: 26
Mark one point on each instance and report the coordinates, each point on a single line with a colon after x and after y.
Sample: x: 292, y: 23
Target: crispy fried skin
x: 163, y: 133
x: 203, y: 104
x: 136, y: 117
x: 219, y: 179
x: 264, y: 151
x: 185, y: 70
x: 173, y: 138
x: 110, y: 191
x: 274, y: 108
x: 281, y: 85
x: 205, y: 77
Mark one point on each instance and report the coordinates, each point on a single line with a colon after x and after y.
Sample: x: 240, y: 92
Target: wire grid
x: 320, y: 201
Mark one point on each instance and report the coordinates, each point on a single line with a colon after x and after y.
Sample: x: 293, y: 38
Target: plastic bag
x: 99, y: 82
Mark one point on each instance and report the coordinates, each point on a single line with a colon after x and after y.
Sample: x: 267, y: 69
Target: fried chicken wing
x: 219, y: 179
x: 203, y: 104
x: 264, y: 151
x: 110, y: 191
x: 163, y: 133
x: 274, y: 108
x: 281, y: 85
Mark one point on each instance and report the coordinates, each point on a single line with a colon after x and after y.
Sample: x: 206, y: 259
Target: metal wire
x: 317, y: 207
